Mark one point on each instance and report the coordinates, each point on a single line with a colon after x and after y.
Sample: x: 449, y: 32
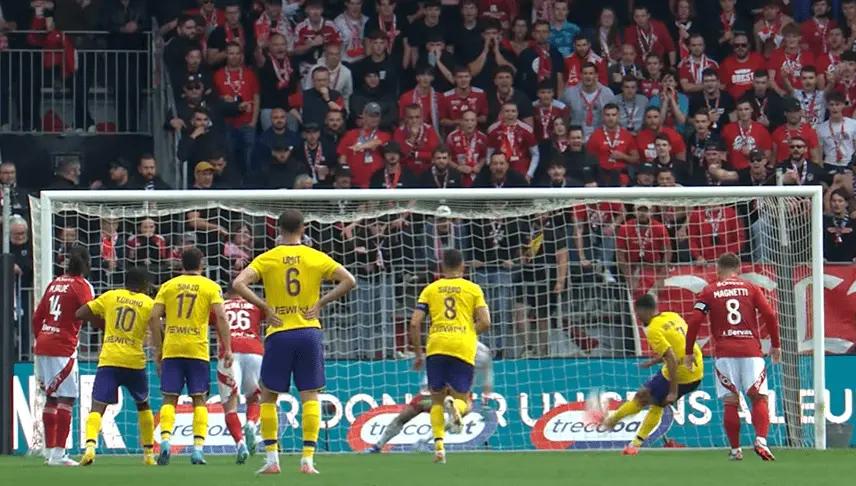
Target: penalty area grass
x: 698, y: 468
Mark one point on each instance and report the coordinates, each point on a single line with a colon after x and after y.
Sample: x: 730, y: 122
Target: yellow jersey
x: 126, y: 318
x: 451, y: 303
x: 669, y: 330
x: 292, y: 276
x: 187, y: 301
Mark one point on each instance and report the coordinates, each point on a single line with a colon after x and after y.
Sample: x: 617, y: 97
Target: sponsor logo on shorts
x: 566, y: 427
x: 479, y: 426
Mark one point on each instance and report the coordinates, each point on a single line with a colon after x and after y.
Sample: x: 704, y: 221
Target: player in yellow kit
x: 458, y: 314
x: 292, y: 275
x: 181, y: 347
x: 666, y: 333
x: 124, y: 315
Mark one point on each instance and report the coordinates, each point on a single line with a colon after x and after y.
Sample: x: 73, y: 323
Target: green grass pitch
x: 696, y: 468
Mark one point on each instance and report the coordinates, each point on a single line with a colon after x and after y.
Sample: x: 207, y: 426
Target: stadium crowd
x: 302, y: 94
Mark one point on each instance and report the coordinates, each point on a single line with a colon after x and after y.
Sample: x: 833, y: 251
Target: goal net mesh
x: 559, y: 275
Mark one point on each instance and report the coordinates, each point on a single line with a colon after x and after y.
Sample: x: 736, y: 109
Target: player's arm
x: 416, y: 321
x: 85, y: 313
x: 694, y: 323
x: 224, y: 337
x: 771, y: 321
x: 482, y: 318
x: 241, y: 286
x: 486, y: 371
x: 651, y: 362
x: 157, y: 332
x: 672, y: 365
x: 345, y: 282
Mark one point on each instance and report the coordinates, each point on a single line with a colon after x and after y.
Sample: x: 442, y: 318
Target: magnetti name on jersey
x: 738, y: 292
x: 129, y: 301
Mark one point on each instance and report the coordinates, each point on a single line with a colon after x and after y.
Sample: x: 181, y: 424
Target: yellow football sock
x: 438, y: 425
x: 269, y: 421
x: 625, y: 410
x: 311, y: 426
x: 146, y: 420
x: 200, y: 425
x: 652, y: 418
x: 93, y: 426
x: 461, y: 406
x: 167, y: 421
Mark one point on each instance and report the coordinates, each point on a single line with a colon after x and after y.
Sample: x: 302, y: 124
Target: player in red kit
x: 732, y: 306
x: 244, y: 321
x: 56, y: 332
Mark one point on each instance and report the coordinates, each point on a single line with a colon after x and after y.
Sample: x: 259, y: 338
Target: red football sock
x: 49, y: 422
x: 233, y: 423
x: 253, y: 412
x: 63, y: 424
x: 732, y: 425
x: 760, y: 416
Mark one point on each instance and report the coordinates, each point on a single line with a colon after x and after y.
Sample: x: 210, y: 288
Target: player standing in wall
x: 181, y: 347
x: 244, y: 320
x: 458, y: 314
x: 732, y: 306
x: 292, y: 274
x: 124, y: 315
x: 56, y: 330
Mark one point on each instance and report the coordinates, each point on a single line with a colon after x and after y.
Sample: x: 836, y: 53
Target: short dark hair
x: 290, y: 221
x: 809, y: 69
x: 728, y: 261
x: 608, y: 106
x: 503, y: 69
x: 145, y: 156
x: 137, y: 279
x: 709, y: 72
x: 452, y: 259
x: 760, y: 73
x: 647, y: 302
x: 836, y: 97
x: 78, y: 261
x: 191, y: 259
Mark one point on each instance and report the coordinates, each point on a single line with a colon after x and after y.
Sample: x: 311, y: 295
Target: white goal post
x: 540, y: 369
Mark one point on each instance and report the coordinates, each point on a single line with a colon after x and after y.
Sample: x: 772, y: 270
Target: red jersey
x: 453, y: 106
x: 781, y: 138
x: 430, y: 104
x: 713, y: 231
x: 690, y: 69
x: 779, y: 59
x: 417, y: 149
x: 741, y: 141
x: 574, y: 68
x: 54, y: 326
x: 238, y: 83
x: 826, y: 63
x: 737, y: 76
x: 502, y: 10
x: 467, y: 150
x: 515, y: 141
x: 602, y: 143
x: 245, y: 326
x: 643, y: 244
x: 814, y: 33
x: 305, y: 32
x: 656, y: 39
x: 732, y: 306
x: 598, y: 214
x: 362, y: 163
x: 645, y: 143
x: 848, y: 89
x: 545, y: 118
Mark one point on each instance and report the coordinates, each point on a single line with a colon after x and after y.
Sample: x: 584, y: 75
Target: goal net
x: 560, y: 269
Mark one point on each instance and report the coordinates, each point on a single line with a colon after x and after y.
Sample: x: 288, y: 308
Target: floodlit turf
x: 482, y: 469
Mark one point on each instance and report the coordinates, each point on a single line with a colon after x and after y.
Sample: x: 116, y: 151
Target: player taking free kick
x: 732, y: 306
x: 666, y: 333
x: 292, y: 275
x: 458, y: 314
x: 124, y: 315
x: 56, y: 331
x: 181, y: 348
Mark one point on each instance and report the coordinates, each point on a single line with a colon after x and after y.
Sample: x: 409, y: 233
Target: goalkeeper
x: 666, y: 333
x: 421, y: 403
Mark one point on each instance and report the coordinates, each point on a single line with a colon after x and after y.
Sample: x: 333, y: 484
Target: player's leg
x: 66, y: 388
x: 275, y: 378
x: 198, y: 372
x: 407, y: 414
x: 754, y: 369
x: 43, y: 378
x: 172, y: 382
x: 309, y: 379
x: 228, y: 384
x: 435, y: 369
x: 728, y: 394
x: 651, y: 395
x: 137, y: 384
x: 105, y: 390
x: 251, y: 365
x: 628, y: 408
